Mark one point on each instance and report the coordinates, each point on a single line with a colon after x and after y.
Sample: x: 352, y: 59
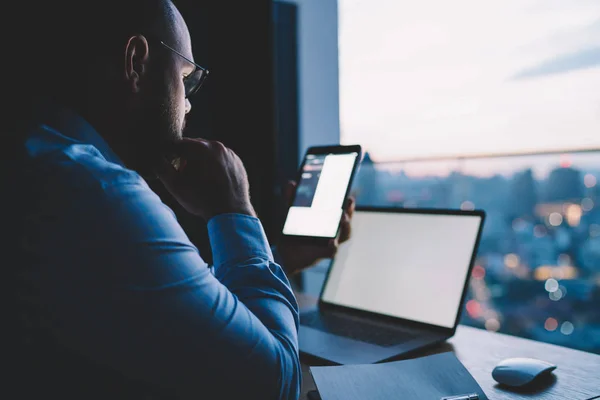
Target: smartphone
x: 323, y: 185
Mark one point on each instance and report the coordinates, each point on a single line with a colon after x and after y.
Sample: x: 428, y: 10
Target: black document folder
x: 426, y: 378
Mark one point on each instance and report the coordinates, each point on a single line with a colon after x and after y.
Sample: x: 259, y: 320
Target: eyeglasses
x: 194, y: 81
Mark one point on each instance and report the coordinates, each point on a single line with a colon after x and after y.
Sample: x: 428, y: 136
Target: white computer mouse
x: 517, y: 372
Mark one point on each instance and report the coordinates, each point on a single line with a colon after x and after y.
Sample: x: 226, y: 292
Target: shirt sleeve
x: 277, y: 255
x: 133, y: 294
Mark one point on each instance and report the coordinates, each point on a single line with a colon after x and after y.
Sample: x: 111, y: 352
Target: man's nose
x: 188, y: 106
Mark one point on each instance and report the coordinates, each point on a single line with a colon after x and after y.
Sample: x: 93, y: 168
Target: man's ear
x: 136, y: 62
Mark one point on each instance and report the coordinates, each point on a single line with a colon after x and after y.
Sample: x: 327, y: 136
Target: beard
x: 157, y: 129
x: 169, y: 127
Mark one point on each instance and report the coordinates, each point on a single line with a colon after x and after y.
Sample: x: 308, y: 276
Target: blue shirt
x: 118, y: 281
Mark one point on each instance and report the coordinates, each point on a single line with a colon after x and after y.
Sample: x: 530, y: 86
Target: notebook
x: 425, y: 378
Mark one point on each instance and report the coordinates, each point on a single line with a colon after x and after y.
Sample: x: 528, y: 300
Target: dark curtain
x: 233, y: 40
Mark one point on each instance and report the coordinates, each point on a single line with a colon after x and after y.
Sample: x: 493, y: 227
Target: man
x: 113, y: 299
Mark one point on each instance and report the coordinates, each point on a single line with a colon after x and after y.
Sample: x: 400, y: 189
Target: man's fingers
x: 345, y: 228
x: 168, y: 171
x: 198, y: 151
x: 187, y: 142
x: 328, y: 251
x: 189, y: 148
x: 351, y: 206
x: 332, y: 248
x: 346, y: 224
x: 166, y: 167
x: 184, y: 152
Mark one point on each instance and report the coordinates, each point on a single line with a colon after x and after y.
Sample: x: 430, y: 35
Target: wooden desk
x: 577, y: 375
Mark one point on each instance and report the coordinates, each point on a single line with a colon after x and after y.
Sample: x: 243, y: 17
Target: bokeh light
x: 587, y: 204
x: 565, y: 161
x: 556, y: 295
x: 491, y: 314
x: 574, y: 214
x: 551, y: 285
x: 563, y: 290
x: 589, y: 181
x: 474, y: 308
x: 551, y: 324
x: 546, y: 272
x: 542, y: 273
x: 511, y: 260
x: 492, y: 324
x: 467, y: 205
x: 478, y: 272
x: 567, y: 328
x: 565, y: 272
x: 555, y: 219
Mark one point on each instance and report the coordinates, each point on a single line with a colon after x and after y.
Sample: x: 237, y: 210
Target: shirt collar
x: 70, y: 124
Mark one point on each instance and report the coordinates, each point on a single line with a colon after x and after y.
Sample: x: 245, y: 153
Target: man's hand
x: 207, y: 179
x: 298, y: 256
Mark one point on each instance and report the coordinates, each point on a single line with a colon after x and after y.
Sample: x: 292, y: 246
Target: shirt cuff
x: 237, y: 237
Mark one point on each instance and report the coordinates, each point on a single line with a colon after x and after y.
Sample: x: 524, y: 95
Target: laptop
x: 397, y: 286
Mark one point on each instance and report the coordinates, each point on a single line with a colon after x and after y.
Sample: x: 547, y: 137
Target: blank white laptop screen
x: 411, y: 266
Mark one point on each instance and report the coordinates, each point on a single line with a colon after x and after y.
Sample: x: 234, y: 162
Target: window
x: 429, y: 87
x: 435, y: 77
x: 537, y: 273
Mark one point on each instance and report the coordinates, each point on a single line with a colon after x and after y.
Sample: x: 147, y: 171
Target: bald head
x: 123, y: 65
x: 180, y: 33
x: 65, y: 41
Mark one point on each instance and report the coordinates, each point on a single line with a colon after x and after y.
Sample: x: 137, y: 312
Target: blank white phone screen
x: 411, y: 266
x: 320, y: 195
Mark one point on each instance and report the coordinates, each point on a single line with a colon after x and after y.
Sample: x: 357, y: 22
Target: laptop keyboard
x: 355, y: 329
